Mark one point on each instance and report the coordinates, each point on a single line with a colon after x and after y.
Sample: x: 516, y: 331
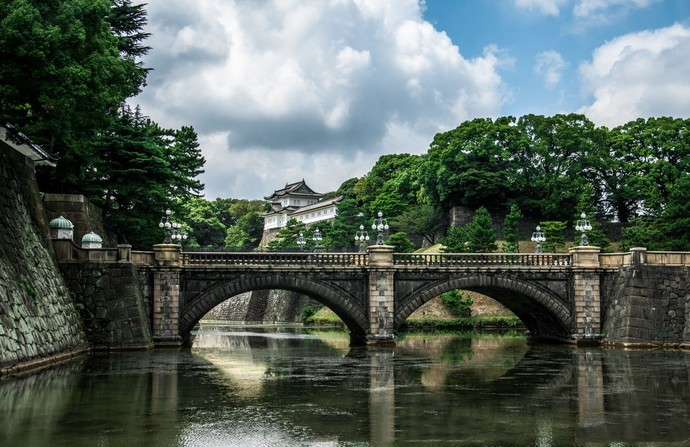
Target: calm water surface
x: 257, y: 386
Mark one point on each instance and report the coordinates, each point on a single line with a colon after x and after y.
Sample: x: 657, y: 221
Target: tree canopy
x: 68, y: 68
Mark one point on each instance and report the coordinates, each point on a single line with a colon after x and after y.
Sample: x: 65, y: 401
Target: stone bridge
x: 636, y: 297
x: 555, y: 295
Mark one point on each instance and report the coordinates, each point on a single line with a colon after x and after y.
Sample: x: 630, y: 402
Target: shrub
x: 458, y: 303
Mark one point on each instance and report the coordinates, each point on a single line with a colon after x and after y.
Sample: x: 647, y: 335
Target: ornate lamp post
x: 317, y: 240
x: 538, y: 237
x: 583, y: 226
x: 361, y: 236
x: 173, y: 230
x: 380, y: 225
x: 301, y: 242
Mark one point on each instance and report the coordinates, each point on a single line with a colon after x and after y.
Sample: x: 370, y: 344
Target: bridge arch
x: 337, y: 299
x: 543, y: 312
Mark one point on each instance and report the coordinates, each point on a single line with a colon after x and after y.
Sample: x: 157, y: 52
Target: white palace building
x: 298, y: 201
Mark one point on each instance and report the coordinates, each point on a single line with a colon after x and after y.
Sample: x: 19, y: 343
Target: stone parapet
x: 585, y: 256
x: 167, y: 254
x: 380, y: 255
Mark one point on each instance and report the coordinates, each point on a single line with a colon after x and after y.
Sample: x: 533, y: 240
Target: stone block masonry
x: 39, y: 323
x: 263, y: 306
x: 110, y: 303
x: 648, y: 305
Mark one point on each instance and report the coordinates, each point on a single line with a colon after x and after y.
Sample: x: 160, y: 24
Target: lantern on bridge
x: 61, y: 228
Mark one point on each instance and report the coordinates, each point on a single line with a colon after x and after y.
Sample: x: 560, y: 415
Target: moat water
x: 281, y: 386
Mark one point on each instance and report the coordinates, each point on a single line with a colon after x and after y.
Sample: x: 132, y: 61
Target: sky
x: 284, y: 90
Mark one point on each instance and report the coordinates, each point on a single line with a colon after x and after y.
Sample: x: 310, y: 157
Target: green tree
x: 341, y: 233
x: 655, y: 153
x: 458, y: 303
x: 481, y: 234
x: 388, y: 169
x: 200, y: 216
x: 288, y: 235
x: 675, y: 218
x: 424, y: 220
x: 510, y: 229
x: 456, y: 240
x: 643, y: 232
x: 553, y: 164
x: 478, y: 236
x: 401, y: 242
x: 468, y: 166
x: 346, y: 189
x: 66, y: 70
x: 554, y: 232
x: 135, y: 176
x: 247, y: 233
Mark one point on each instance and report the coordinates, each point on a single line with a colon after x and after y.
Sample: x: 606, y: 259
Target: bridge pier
x: 165, y: 326
x: 381, y: 297
x: 586, y: 294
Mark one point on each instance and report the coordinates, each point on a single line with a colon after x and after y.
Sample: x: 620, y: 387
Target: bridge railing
x: 668, y: 257
x: 143, y: 257
x: 479, y: 259
x: 268, y: 258
x: 615, y: 259
x: 645, y: 257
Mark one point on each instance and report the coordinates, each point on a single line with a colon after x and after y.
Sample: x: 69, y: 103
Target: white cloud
x: 546, y: 7
x: 640, y: 74
x: 590, y: 8
x: 286, y: 88
x: 550, y: 65
x: 591, y: 13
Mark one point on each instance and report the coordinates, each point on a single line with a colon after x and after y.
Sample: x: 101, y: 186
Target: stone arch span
x: 543, y: 312
x: 335, y: 298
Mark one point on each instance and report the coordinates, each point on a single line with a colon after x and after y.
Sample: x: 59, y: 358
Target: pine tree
x: 481, y: 234
x: 510, y: 230
x: 554, y: 231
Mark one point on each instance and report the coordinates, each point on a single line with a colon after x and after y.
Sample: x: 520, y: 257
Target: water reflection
x: 284, y: 386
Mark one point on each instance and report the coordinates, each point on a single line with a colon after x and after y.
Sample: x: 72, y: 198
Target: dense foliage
x: 553, y: 168
x: 458, y: 303
x: 68, y: 68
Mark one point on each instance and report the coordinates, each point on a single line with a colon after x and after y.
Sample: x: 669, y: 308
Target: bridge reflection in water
x: 251, y: 387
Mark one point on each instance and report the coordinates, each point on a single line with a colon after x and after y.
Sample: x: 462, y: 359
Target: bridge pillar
x: 381, y: 295
x: 166, y: 295
x: 586, y: 293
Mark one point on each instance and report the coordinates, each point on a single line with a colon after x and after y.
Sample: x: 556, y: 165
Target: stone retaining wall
x: 647, y: 304
x: 111, y: 304
x: 262, y: 306
x: 38, y: 320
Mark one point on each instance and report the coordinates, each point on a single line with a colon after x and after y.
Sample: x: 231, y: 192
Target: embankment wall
x: 38, y: 320
x: 647, y: 304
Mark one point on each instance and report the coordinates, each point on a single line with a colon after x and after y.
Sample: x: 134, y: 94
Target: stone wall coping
x: 66, y: 250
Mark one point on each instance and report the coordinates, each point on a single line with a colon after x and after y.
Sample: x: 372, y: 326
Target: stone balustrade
x: 479, y: 259
x: 273, y: 259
